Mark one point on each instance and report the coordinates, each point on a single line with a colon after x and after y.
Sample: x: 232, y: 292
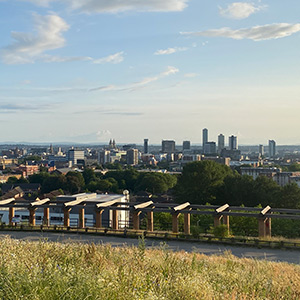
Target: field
x: 44, y: 270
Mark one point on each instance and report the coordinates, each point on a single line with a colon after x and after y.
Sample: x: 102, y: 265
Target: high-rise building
x: 75, y: 157
x: 204, y: 137
x: 221, y: 142
x: 146, y: 148
x: 261, y: 150
x: 168, y: 146
x: 186, y: 145
x: 233, y: 142
x: 132, y: 157
x: 104, y: 157
x: 272, y: 148
x: 210, y: 148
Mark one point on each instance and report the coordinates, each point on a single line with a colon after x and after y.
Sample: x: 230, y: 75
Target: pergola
x: 220, y: 214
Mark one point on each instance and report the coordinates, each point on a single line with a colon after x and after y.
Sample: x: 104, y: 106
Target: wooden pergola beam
x: 39, y: 202
x: 143, y: 205
x: 7, y: 201
x: 222, y: 208
x: 181, y: 206
x: 74, y: 202
x: 107, y: 204
x: 265, y: 210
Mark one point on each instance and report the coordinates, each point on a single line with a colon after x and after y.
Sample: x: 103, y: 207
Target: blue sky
x: 89, y: 71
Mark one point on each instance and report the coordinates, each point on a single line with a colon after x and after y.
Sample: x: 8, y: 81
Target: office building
x: 104, y: 157
x: 221, y: 142
x: 261, y: 150
x: 204, y: 137
x: 272, y: 148
x: 146, y: 146
x: 186, y: 145
x: 132, y: 157
x: 210, y: 148
x: 76, y: 157
x: 233, y: 143
x: 168, y: 146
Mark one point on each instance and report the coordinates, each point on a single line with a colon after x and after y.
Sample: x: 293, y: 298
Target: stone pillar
x: 150, y: 226
x: 217, y: 220
x: 11, y: 214
x: 262, y: 227
x: 99, y: 218
x: 187, y: 223
x: 115, y: 220
x: 67, y: 217
x: 81, y: 218
x: 32, y: 216
x: 136, y: 220
x: 175, y: 227
x: 268, y: 227
x: 46, y: 219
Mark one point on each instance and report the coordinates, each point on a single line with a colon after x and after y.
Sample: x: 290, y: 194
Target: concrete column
x: 187, y: 223
x: 99, y: 218
x: 115, y: 220
x: 175, y: 227
x: 32, y: 216
x: 150, y: 226
x: 11, y: 214
x: 46, y: 219
x: 262, y: 227
x: 217, y: 220
x: 67, y: 217
x: 268, y: 227
x: 81, y: 218
x: 136, y: 220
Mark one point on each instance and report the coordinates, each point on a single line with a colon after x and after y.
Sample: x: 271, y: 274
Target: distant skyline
x: 94, y: 70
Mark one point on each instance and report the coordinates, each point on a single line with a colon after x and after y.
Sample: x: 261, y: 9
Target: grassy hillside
x: 44, y: 270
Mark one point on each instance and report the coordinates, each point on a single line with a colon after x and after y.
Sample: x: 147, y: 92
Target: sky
x: 94, y: 70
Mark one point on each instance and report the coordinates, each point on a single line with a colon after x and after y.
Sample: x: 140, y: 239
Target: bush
x: 221, y: 231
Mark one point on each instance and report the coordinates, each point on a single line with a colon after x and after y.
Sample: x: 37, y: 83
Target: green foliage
x: 38, y: 178
x: 221, y: 231
x: 286, y: 228
x: 200, y: 181
x: 15, y: 180
x: 155, y: 183
x: 244, y: 226
x: 54, y: 182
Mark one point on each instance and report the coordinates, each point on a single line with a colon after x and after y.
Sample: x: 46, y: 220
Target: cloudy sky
x: 89, y: 71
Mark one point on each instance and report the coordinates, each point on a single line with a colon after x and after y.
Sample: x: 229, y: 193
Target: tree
x: 74, y: 182
x: 38, y: 178
x: 200, y: 181
x: 289, y: 197
x: 88, y: 175
x: 155, y: 183
x: 54, y: 182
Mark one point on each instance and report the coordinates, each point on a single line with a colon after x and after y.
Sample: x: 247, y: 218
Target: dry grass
x: 44, y: 270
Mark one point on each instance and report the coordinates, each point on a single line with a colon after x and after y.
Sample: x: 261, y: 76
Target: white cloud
x: 136, y: 85
x: 191, y: 75
x: 114, y: 59
x: 170, y: 50
x: 256, y: 33
x: 116, y: 6
x: 28, y: 47
x: 240, y: 10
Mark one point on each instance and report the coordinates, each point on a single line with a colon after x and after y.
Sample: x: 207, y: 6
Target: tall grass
x: 47, y: 270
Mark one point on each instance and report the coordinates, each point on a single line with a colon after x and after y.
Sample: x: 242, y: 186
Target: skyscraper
x: 233, y: 142
x: 261, y: 150
x: 186, y: 145
x: 146, y: 148
x: 168, y: 146
x: 204, y: 137
x: 221, y: 142
x: 272, y: 148
x: 132, y: 157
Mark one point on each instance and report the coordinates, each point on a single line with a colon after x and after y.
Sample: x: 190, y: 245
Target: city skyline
x: 87, y: 73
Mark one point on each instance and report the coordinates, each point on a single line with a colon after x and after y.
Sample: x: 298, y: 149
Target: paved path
x: 208, y: 249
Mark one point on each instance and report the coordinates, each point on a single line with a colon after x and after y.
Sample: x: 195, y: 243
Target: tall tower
x: 233, y: 143
x: 146, y: 148
x: 272, y: 148
x: 186, y: 145
x: 204, y: 137
x: 261, y: 150
x: 221, y: 142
